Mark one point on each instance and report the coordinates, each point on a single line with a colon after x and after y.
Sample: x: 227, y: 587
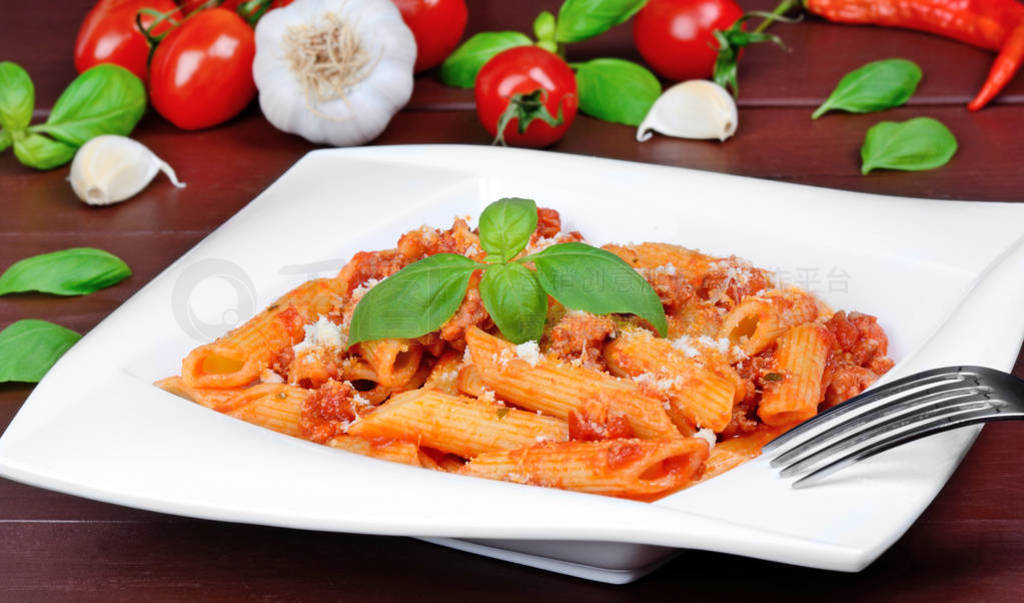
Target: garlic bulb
x: 334, y: 71
x: 109, y: 169
x: 692, y: 109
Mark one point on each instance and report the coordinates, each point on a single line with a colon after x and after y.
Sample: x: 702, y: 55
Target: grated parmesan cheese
x: 321, y: 334
x: 685, y: 345
x: 668, y: 269
x: 707, y: 435
x: 529, y: 351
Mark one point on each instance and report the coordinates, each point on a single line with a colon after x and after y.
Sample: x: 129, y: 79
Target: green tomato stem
x: 784, y: 7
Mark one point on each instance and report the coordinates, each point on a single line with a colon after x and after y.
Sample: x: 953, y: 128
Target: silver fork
x: 896, y: 413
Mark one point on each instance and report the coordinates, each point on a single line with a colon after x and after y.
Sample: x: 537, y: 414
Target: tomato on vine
x: 526, y: 96
x: 201, y: 72
x: 676, y: 37
x: 109, y: 34
x: 437, y: 26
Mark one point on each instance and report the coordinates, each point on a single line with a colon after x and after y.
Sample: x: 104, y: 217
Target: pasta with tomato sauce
x: 599, y: 403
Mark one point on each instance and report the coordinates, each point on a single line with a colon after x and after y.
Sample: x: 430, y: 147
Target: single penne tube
x: 394, y: 361
x: 799, y: 358
x: 696, y: 396
x: 692, y: 264
x: 457, y: 424
x: 732, y: 452
x: 237, y: 358
x: 755, y: 323
x: 444, y: 376
x: 362, y: 376
x: 556, y: 388
x: 470, y: 382
x: 630, y: 468
x: 396, y: 451
x: 276, y: 406
x: 208, y: 397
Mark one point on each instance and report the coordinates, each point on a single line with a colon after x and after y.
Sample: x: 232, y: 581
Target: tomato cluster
x: 197, y: 57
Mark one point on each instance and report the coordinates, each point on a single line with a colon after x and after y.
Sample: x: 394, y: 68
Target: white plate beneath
x: 943, y: 278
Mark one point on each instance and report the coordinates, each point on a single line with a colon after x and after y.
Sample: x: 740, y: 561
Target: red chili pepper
x: 993, y: 24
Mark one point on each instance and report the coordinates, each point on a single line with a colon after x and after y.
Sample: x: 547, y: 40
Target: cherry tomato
x: 235, y: 4
x: 531, y: 82
x: 109, y: 34
x: 437, y: 26
x: 676, y: 38
x: 201, y: 74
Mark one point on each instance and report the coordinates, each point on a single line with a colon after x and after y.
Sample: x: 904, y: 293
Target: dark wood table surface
x: 968, y: 545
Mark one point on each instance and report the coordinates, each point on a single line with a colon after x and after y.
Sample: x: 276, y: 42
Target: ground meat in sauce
x: 581, y: 336
x: 329, y: 410
x: 595, y: 420
x: 622, y: 453
x: 859, y: 357
x: 549, y: 223
x: 673, y: 289
x: 729, y: 280
x: 744, y: 412
x: 471, y: 313
x: 367, y: 265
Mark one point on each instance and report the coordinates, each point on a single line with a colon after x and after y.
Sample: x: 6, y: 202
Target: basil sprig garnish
x: 914, y: 145
x: 421, y: 297
x: 106, y: 99
x: 75, y: 271
x: 462, y: 65
x: 583, y: 19
x: 28, y: 348
x: 876, y: 86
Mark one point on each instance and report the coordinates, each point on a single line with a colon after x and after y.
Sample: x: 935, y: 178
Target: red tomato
x: 201, y: 74
x: 675, y: 36
x: 516, y: 73
x: 234, y: 4
x: 109, y: 34
x: 437, y: 26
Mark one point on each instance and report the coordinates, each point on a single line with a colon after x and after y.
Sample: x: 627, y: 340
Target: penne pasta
x: 396, y: 451
x: 696, y: 396
x: 629, y: 468
x: 444, y: 376
x: 690, y: 263
x: 208, y: 397
x: 276, y: 406
x: 394, y: 361
x: 756, y: 322
x: 729, y: 454
x: 457, y: 424
x: 800, y: 364
x: 556, y: 388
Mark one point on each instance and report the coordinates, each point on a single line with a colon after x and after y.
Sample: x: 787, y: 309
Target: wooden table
x: 969, y: 545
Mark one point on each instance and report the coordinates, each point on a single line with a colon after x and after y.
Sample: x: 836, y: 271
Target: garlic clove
x: 109, y: 169
x: 692, y: 109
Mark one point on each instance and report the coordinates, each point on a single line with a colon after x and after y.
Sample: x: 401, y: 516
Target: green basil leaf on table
x: 586, y: 278
x: 582, y: 19
x: 917, y: 144
x: 5, y: 140
x: 28, y: 348
x: 515, y: 301
x: 106, y: 99
x: 415, y: 300
x: 876, y: 86
x: 462, y: 65
x: 616, y: 90
x: 17, y: 97
x: 75, y: 271
x: 42, y: 153
x: 506, y: 226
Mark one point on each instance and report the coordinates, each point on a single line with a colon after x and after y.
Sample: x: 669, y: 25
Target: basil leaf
x: 616, y: 90
x: 506, y: 226
x: 5, y: 140
x: 582, y: 19
x: 876, y: 86
x: 28, y: 348
x: 515, y: 301
x: 414, y: 301
x: 42, y: 153
x: 586, y: 278
x: 106, y: 99
x: 17, y: 97
x: 917, y: 144
x: 74, y: 271
x: 461, y: 66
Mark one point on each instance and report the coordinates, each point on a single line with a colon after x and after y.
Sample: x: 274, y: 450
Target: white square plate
x: 943, y: 277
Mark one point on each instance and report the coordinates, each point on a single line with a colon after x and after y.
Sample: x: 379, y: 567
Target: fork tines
x: 875, y: 421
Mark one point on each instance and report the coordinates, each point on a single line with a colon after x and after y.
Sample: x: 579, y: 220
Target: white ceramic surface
x: 943, y: 278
